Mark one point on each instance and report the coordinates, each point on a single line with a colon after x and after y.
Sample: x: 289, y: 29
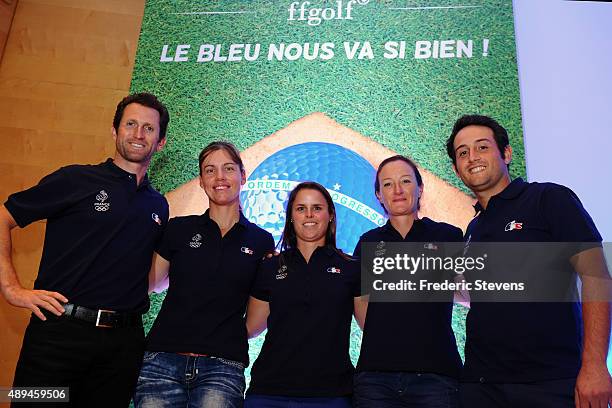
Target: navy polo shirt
x: 525, y: 342
x: 306, y: 350
x: 101, y: 231
x: 410, y: 336
x: 210, y: 281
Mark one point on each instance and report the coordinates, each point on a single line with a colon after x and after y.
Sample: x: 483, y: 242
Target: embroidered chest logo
x: 102, y: 205
x: 333, y: 269
x: 156, y: 219
x: 246, y: 250
x: 196, y: 241
x: 513, y: 225
x: 282, y: 272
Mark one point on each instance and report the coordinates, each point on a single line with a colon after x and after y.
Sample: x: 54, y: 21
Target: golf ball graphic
x: 348, y: 177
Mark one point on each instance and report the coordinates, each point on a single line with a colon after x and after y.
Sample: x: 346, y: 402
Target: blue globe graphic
x: 347, y: 176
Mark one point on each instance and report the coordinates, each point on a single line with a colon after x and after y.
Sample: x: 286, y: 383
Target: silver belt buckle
x: 98, y: 318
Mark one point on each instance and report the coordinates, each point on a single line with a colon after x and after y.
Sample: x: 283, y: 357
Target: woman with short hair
x: 197, y: 348
x: 409, y: 355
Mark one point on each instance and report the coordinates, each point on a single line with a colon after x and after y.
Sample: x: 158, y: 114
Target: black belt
x: 103, y: 318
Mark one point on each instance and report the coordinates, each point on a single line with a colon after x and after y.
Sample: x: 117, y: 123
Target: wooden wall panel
x: 66, y: 65
x: 7, y: 10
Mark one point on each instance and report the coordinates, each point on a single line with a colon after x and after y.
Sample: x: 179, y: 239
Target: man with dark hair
x: 500, y: 135
x: 103, y: 222
x: 148, y: 100
x: 526, y: 354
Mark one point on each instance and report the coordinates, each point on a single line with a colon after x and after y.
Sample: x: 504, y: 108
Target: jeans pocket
x: 150, y: 355
x: 224, y: 376
x: 450, y: 383
x: 231, y: 363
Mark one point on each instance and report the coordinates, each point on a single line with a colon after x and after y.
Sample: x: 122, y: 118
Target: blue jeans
x: 272, y: 401
x: 401, y: 389
x: 176, y: 380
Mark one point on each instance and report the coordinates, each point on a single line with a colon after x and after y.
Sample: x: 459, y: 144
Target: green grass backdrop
x: 407, y: 105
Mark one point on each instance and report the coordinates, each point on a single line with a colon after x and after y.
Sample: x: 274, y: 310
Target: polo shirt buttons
x: 482, y: 380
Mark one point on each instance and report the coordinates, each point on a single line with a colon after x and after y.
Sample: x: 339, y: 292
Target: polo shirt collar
x: 328, y: 250
x: 416, y: 226
x: 512, y: 191
x: 388, y: 227
x: 205, y: 218
x: 243, y: 220
x: 118, y: 172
